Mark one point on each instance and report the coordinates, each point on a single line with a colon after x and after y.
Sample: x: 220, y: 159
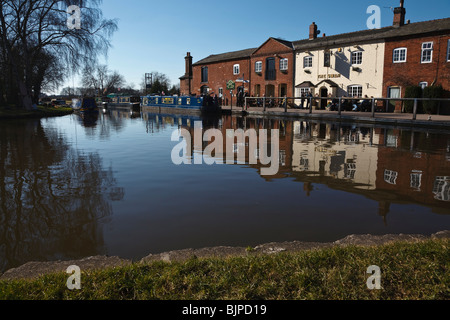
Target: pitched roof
x: 390, y: 32
x: 241, y: 54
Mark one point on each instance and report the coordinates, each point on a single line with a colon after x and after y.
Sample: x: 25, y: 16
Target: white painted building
x: 349, y: 64
x: 343, y: 155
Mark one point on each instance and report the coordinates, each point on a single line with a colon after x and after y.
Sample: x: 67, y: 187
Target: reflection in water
x: 58, y: 201
x: 381, y: 163
x: 52, y: 197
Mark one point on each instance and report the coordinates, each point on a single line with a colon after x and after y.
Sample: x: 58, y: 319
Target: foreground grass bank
x: 41, y: 112
x: 408, y: 271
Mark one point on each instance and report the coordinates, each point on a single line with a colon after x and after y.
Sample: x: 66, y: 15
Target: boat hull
x: 164, y: 104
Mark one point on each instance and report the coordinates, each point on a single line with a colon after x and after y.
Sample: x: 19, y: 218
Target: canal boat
x: 85, y: 105
x: 123, y: 101
x: 183, y: 104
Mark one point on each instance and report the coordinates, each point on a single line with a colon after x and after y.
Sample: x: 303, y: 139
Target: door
x: 283, y: 90
x: 393, y: 92
x: 323, y: 93
x: 270, y: 69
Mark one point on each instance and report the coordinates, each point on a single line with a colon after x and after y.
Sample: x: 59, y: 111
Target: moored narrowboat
x: 127, y: 101
x: 184, y: 104
x: 85, y: 105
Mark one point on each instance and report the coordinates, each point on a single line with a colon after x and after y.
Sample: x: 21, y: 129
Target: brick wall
x: 219, y: 74
x: 273, y: 49
x: 413, y: 71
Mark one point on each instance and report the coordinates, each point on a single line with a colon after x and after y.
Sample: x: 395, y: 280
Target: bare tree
x: 100, y: 79
x: 30, y: 27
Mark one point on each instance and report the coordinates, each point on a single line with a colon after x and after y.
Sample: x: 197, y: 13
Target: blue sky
x: 155, y: 35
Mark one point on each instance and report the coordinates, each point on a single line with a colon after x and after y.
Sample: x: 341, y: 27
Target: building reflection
x: 381, y: 163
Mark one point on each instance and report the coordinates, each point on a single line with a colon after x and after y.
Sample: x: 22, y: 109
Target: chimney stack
x: 313, y: 31
x: 399, y: 15
x: 188, y: 60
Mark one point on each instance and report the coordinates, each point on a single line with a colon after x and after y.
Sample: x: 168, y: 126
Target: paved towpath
x: 380, y: 117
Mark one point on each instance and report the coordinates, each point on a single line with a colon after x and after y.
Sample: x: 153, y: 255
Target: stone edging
x: 33, y: 270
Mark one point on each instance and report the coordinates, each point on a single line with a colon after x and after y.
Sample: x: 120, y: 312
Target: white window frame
x: 258, y: 66
x: 423, y: 84
x: 350, y: 90
x: 284, y: 64
x: 220, y: 92
x: 390, y: 176
x: 301, y: 91
x: 416, y: 179
x: 448, y: 51
x: 307, y: 62
x: 427, y: 47
x: 236, y: 69
x: 357, y: 57
x: 399, y: 50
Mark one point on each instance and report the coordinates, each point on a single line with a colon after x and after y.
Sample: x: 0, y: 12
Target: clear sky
x: 155, y: 35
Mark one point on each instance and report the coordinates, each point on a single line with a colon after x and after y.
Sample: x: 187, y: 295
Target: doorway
x: 323, y: 94
x: 393, y: 92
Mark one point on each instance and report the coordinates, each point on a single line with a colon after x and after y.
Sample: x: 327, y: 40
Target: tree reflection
x: 52, y: 197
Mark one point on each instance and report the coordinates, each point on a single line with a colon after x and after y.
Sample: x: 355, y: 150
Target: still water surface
x: 73, y: 187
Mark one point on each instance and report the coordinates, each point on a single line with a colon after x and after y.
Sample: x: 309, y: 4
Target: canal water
x: 73, y: 187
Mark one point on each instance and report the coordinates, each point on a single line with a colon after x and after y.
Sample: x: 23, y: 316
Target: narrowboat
x: 119, y: 100
x: 85, y: 105
x: 184, y: 104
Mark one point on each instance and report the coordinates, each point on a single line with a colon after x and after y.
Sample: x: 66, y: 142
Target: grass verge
x: 41, y: 112
x: 412, y: 271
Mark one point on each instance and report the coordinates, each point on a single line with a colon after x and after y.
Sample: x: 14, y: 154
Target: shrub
x: 435, y: 92
x: 413, y: 92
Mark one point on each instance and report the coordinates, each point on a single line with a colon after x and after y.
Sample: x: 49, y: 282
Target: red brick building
x: 210, y: 75
x: 272, y: 73
x: 267, y: 70
x: 416, y: 54
x: 411, y: 175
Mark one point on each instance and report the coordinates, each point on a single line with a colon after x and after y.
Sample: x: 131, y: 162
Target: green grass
x: 413, y: 271
x: 41, y: 112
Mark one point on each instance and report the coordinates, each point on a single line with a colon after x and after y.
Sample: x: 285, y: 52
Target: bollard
x: 264, y: 103
x: 310, y: 105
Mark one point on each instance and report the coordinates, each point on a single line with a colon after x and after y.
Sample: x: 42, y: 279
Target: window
x: 220, y: 92
x: 258, y: 66
x: 416, y: 179
x: 356, y: 57
x: 390, y: 176
x: 448, y: 51
x: 399, y: 55
x: 327, y: 59
x: 236, y: 68
x: 427, y: 52
x: 423, y: 84
x: 441, y: 188
x: 205, y: 74
x: 350, y: 170
x: 284, y: 64
x: 355, y: 91
x: 307, y: 62
x: 303, y: 92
